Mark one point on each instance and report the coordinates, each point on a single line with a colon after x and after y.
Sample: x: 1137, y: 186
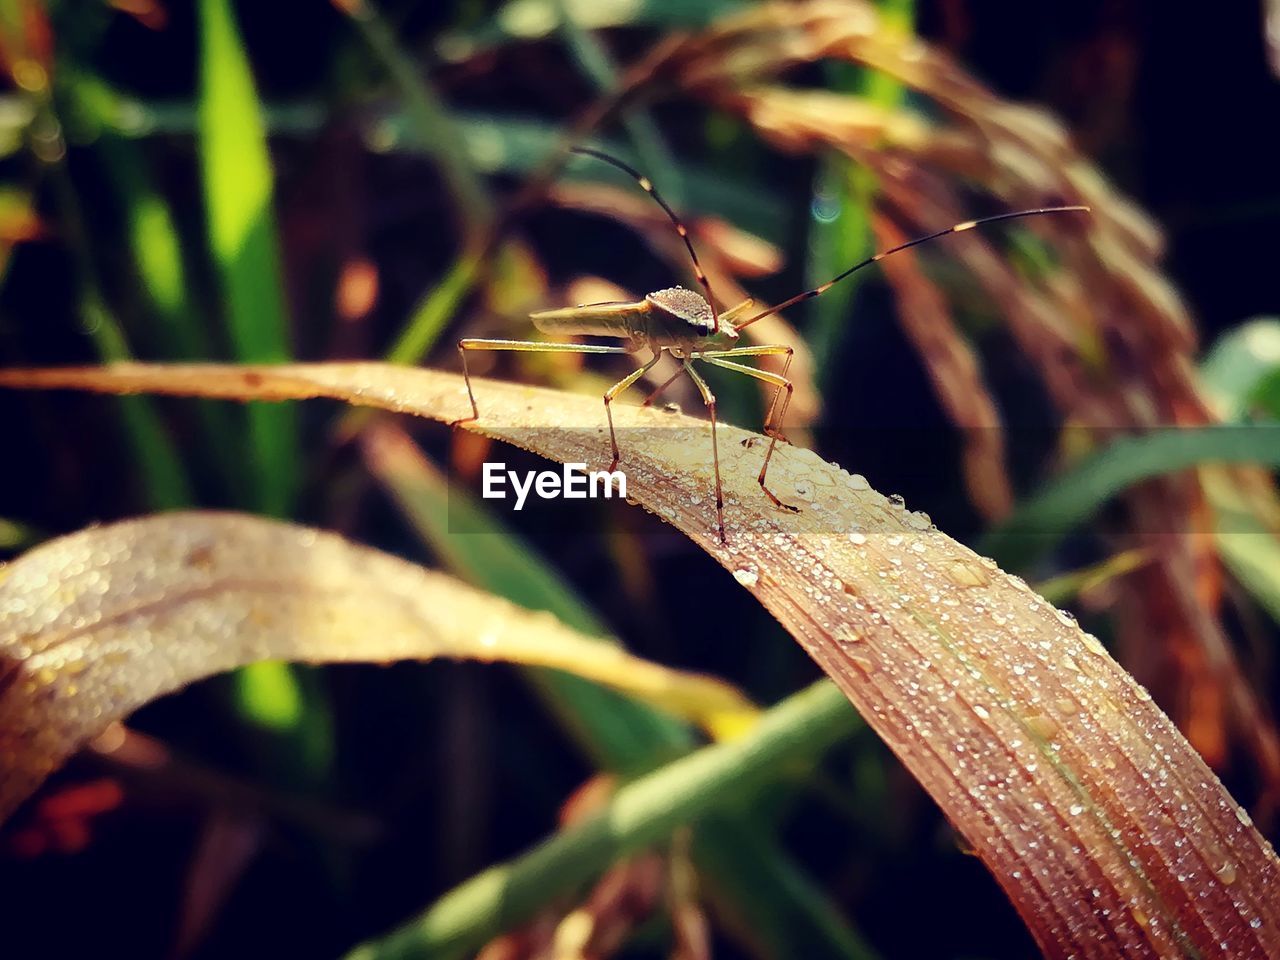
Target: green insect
x: 687, y: 325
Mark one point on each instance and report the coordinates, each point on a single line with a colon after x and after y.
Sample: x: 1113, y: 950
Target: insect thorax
x: 689, y: 314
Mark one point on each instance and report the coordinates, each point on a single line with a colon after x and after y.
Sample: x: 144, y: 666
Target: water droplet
x: 857, y: 539
x: 966, y: 575
x: 897, y: 501
x: 862, y: 662
x: 982, y: 711
x: 846, y: 634
x: 919, y: 520
x: 1076, y: 809
x: 1042, y: 726
x: 1227, y: 873
x: 1093, y: 644
x: 746, y: 577
x: 858, y: 482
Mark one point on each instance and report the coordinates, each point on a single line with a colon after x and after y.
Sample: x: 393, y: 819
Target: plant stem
x: 643, y: 812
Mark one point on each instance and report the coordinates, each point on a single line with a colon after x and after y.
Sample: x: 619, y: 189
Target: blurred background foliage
x: 261, y: 182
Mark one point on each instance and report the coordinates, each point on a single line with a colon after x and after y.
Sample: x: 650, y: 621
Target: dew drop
x: 858, y: 482
x: 1093, y: 644
x: 1042, y: 726
x: 919, y: 520
x: 1227, y: 873
x: 965, y: 575
x: 862, y: 662
x: 746, y: 577
x: 857, y: 539
x: 897, y: 501
x: 846, y: 634
x: 1075, y: 809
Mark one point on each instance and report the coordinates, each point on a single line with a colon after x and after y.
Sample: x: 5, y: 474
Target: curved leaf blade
x: 1105, y: 828
x: 97, y: 623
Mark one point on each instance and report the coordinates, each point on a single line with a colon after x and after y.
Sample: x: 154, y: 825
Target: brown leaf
x: 95, y: 624
x: 954, y: 371
x: 1104, y: 827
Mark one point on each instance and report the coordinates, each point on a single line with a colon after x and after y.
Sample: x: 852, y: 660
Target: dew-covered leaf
x: 97, y: 623
x: 1105, y: 828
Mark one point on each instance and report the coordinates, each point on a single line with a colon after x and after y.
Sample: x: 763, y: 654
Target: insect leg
x: 772, y: 424
x: 773, y: 421
x: 612, y: 394
x: 521, y: 346
x: 709, y: 399
x: 648, y: 401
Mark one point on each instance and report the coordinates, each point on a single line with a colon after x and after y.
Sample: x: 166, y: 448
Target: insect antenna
x: 876, y: 258
x: 647, y: 186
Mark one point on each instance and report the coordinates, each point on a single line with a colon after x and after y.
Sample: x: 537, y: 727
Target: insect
x: 688, y: 326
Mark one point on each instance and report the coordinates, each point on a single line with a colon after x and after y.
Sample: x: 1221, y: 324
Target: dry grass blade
x: 954, y: 371
x: 1104, y: 827
x: 1108, y: 334
x: 95, y: 624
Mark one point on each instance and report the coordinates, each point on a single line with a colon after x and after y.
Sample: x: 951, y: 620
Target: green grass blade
x: 784, y: 912
x: 1250, y: 551
x: 428, y: 115
x: 238, y: 194
x: 1074, y: 497
x: 436, y: 309
x: 1242, y: 374
x: 153, y: 241
x: 238, y: 191
x: 1242, y: 370
x: 844, y: 236
x: 522, y: 21
x: 435, y: 131
x: 593, y: 60
x: 643, y: 812
x: 163, y: 476
x: 519, y: 146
